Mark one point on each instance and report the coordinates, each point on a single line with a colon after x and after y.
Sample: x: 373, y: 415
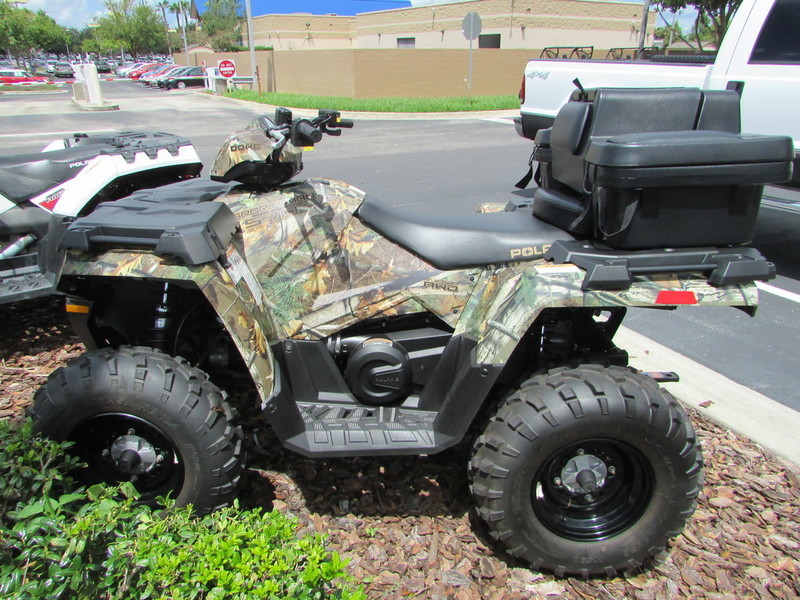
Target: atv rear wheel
x: 587, y: 471
x: 136, y: 414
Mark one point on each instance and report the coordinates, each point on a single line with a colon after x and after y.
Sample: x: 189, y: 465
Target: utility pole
x: 250, y: 42
x: 643, y: 32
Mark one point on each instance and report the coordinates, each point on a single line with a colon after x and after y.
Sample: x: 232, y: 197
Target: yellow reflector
x: 81, y: 309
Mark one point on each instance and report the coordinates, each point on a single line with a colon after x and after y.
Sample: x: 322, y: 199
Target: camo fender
x: 508, y: 300
x: 231, y: 290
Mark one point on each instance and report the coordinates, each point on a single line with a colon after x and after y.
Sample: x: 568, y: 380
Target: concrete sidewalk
x: 730, y: 404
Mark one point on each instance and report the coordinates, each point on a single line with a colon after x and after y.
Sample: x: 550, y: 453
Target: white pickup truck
x: 759, y: 57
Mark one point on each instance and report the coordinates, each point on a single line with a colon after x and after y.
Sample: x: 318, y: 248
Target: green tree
x: 220, y: 23
x: 713, y: 18
x: 5, y: 13
x: 130, y: 24
x: 22, y: 31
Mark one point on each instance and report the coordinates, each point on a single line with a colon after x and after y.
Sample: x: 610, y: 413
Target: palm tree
x: 185, y: 6
x: 177, y: 11
x: 164, y: 5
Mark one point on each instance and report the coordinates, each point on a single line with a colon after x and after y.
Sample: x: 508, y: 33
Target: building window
x: 489, y: 40
x: 406, y: 42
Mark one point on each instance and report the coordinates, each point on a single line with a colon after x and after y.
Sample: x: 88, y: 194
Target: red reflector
x: 676, y: 297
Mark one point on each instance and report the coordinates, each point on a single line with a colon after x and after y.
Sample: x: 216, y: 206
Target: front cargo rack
x: 193, y: 232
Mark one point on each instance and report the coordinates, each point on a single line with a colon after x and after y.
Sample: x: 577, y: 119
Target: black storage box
x: 655, y: 168
x: 682, y: 188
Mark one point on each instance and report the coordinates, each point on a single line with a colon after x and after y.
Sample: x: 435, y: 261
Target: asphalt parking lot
x: 454, y: 165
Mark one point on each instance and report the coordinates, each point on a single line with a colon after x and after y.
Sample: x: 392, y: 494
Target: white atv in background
x: 41, y: 191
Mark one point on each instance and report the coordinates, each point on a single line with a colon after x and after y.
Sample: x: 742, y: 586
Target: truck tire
x: 587, y: 471
x: 137, y: 414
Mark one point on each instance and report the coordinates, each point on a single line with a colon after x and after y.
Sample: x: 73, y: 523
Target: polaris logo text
x: 529, y: 251
x: 244, y: 147
x: 441, y: 286
x: 80, y: 163
x: 50, y: 201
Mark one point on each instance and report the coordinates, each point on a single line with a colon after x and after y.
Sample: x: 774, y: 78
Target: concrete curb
x: 86, y: 106
x: 379, y: 116
x: 30, y: 92
x: 734, y: 406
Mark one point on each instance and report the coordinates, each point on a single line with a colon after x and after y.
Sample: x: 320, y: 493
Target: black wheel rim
x: 575, y: 513
x: 95, y: 438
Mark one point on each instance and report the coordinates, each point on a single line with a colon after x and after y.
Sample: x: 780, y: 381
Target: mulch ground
x: 406, y: 524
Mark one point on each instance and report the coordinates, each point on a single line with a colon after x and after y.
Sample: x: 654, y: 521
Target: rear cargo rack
x: 608, y: 269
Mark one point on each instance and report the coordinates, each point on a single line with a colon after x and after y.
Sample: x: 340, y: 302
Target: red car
x: 145, y: 69
x: 8, y: 76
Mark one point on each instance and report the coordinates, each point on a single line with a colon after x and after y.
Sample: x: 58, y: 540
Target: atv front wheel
x: 136, y: 414
x: 587, y: 471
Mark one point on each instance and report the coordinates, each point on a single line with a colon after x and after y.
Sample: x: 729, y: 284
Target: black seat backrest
x: 609, y: 111
x: 606, y: 112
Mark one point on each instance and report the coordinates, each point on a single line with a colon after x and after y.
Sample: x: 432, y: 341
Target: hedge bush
x: 58, y: 540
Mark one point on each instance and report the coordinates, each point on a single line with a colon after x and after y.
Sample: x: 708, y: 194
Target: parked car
x: 137, y: 73
x: 125, y: 70
x: 63, y: 69
x: 102, y: 66
x: 176, y: 72
x: 8, y: 76
x: 151, y: 77
x: 193, y: 78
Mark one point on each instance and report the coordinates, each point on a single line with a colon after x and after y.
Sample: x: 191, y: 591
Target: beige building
x: 370, y: 55
x: 303, y: 32
x: 506, y: 24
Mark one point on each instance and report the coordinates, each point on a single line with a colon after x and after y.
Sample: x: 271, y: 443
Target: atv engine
x: 383, y: 370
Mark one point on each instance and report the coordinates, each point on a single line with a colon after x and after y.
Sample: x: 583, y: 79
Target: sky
x: 78, y: 13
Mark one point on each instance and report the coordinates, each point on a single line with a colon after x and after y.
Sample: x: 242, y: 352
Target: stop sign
x: 471, y: 26
x: 226, y: 68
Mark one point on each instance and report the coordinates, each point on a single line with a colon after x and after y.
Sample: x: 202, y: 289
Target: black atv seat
x: 458, y: 241
x: 25, y: 176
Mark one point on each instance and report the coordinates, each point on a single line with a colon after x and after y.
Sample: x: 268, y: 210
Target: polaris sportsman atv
x: 68, y: 179
x: 362, y: 329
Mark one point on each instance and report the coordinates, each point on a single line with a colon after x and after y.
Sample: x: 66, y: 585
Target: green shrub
x: 30, y: 467
x: 230, y: 554
x: 59, y: 541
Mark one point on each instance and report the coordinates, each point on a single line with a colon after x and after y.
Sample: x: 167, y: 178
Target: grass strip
x: 29, y: 88
x: 409, y: 105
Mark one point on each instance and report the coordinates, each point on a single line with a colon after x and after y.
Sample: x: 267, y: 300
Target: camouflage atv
x: 354, y: 328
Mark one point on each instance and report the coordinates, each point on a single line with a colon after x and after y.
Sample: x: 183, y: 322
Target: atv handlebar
x: 303, y: 132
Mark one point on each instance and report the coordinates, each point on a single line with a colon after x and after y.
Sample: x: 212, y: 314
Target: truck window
x: 778, y: 41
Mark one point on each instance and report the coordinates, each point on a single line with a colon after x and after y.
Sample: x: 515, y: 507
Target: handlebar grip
x: 308, y: 131
x: 345, y: 123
